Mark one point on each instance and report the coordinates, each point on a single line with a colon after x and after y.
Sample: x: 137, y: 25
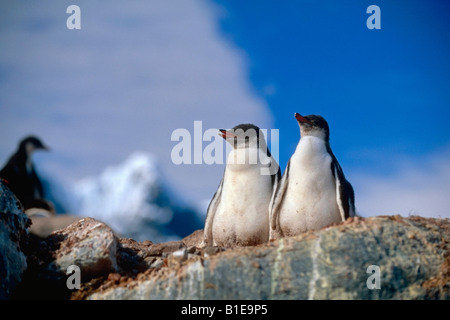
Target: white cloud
x: 135, y: 72
x: 420, y: 186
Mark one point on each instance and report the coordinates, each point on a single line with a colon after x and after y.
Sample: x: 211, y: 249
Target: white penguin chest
x: 310, y: 199
x: 242, y: 216
x: 245, y: 191
x: 245, y: 187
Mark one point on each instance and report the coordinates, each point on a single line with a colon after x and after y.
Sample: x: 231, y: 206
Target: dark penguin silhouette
x: 21, y: 178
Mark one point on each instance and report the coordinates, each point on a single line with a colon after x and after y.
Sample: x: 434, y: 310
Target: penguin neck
x: 245, y: 158
x: 310, y: 148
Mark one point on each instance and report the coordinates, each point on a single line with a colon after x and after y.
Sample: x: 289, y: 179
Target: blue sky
x: 383, y: 91
x: 137, y: 71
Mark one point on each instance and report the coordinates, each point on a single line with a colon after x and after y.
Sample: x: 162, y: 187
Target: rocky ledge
x: 384, y: 257
x: 410, y: 256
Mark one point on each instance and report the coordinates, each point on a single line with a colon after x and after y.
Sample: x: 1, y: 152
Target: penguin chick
x: 238, y: 214
x: 21, y: 176
x: 313, y: 191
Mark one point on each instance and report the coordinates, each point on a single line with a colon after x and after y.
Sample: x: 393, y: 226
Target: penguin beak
x: 301, y: 119
x: 226, y: 134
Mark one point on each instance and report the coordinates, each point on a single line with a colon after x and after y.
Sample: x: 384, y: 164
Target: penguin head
x: 313, y: 125
x: 244, y: 136
x: 30, y: 144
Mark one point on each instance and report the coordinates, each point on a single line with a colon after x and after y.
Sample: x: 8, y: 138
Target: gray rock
x: 177, y: 257
x: 412, y: 255
x: 13, y: 233
x: 149, y: 261
x: 180, y: 255
x: 210, y: 251
x: 157, y: 263
x: 89, y: 244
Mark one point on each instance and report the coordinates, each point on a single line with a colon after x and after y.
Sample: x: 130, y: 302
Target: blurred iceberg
x: 134, y: 199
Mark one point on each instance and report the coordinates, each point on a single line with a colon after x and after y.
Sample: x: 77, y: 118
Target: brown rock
x: 160, y: 249
x: 89, y: 244
x: 176, y: 258
x: 194, y: 239
x: 210, y: 251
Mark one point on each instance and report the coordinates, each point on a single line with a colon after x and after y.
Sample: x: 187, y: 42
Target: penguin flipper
x: 275, y: 203
x: 210, y: 213
x: 345, y: 195
x: 275, y: 178
x: 350, y: 199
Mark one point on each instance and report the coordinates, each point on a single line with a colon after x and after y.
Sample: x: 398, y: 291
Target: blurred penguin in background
x: 20, y: 176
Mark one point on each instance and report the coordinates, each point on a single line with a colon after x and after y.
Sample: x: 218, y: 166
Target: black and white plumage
x: 238, y: 214
x: 20, y: 175
x: 313, y: 191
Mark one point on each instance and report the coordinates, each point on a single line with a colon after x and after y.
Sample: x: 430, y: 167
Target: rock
x: 134, y: 256
x: 157, y: 263
x: 210, y: 251
x: 149, y: 261
x: 177, y: 257
x: 180, y: 255
x: 89, y: 244
x: 163, y: 249
x: 191, y: 250
x: 194, y: 239
x: 13, y: 234
x: 339, y: 262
